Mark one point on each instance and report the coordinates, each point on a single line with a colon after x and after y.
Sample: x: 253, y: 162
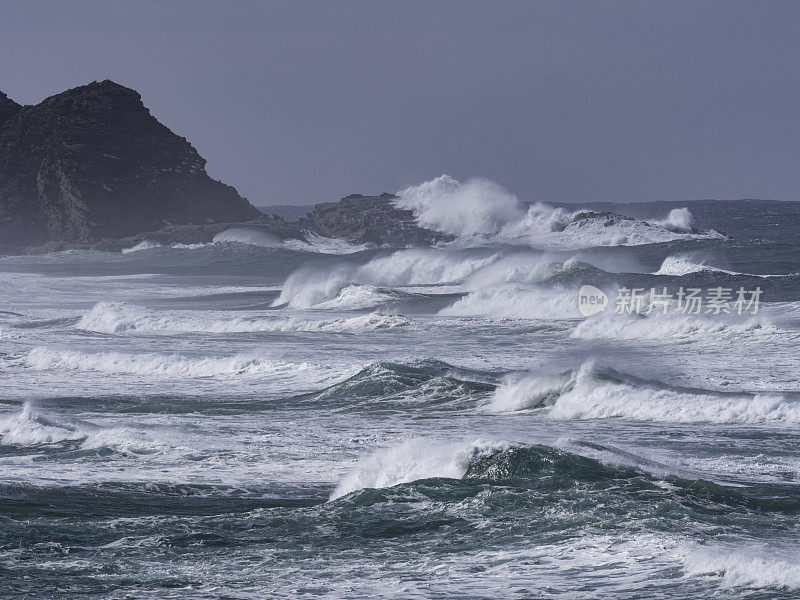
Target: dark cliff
x: 8, y: 109
x: 93, y: 163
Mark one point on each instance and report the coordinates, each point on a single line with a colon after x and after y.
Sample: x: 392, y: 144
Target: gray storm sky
x: 303, y: 102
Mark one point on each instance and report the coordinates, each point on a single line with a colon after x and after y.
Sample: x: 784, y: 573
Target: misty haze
x: 399, y: 300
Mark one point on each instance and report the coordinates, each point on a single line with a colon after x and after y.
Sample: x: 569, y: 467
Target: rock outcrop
x: 369, y: 219
x: 356, y: 218
x: 92, y: 168
x: 8, y: 109
x: 93, y: 163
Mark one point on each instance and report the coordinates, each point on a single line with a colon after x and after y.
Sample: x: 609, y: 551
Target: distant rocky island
x: 92, y: 168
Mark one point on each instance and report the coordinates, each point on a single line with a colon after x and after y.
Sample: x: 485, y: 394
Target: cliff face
x: 91, y: 167
x: 93, y: 163
x: 8, y: 109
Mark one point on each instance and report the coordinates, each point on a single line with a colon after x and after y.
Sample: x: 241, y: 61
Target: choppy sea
x: 245, y: 419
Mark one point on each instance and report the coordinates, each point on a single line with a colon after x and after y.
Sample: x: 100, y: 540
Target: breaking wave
x: 360, y: 286
x: 599, y: 504
x: 740, y: 567
x: 245, y: 235
x: 324, y: 245
x: 44, y: 359
x: 118, y: 317
x: 31, y: 428
x: 480, y: 212
x: 417, y: 459
x: 679, y: 219
x: 28, y: 428
x: 312, y: 243
x: 355, y: 297
x: 684, y: 265
x: 143, y: 245
x: 596, y: 393
x: 690, y: 328
x: 411, y: 461
x: 337, y: 289
x: 515, y: 301
x: 687, y: 264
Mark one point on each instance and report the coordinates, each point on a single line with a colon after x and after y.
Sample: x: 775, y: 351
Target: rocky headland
x: 92, y: 168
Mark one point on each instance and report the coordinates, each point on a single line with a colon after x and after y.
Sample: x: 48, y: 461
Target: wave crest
x: 143, y: 245
x: 119, y: 317
x: 44, y: 359
x: 480, y: 212
x: 592, y: 392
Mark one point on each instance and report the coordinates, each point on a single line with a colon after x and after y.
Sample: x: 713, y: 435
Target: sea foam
x: 595, y: 393
x: 119, y: 317
x: 480, y: 212
x: 410, y: 461
x: 143, y: 245
x: 44, y: 359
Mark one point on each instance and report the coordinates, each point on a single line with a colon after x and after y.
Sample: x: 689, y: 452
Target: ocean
x: 321, y: 420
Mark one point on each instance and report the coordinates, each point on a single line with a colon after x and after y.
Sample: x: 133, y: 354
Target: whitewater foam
x: 26, y: 428
x: 516, y: 302
x: 324, y: 245
x: 326, y: 288
x: 684, y: 265
x: 118, y: 317
x: 179, y: 246
x: 745, y: 567
x: 679, y: 219
x: 478, y: 206
x: 592, y: 393
x: 31, y: 427
x: 44, y: 359
x: 691, y: 328
x: 143, y: 245
x: 247, y: 235
x: 413, y: 460
x: 480, y: 212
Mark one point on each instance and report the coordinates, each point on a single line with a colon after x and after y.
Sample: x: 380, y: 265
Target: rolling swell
x: 538, y: 462
x: 393, y: 385
x: 226, y: 449
x: 544, y: 470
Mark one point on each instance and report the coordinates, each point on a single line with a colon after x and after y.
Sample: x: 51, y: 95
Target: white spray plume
x: 477, y: 206
x: 479, y: 212
x: 679, y: 219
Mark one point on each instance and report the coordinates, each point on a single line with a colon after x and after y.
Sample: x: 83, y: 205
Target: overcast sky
x: 303, y: 102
